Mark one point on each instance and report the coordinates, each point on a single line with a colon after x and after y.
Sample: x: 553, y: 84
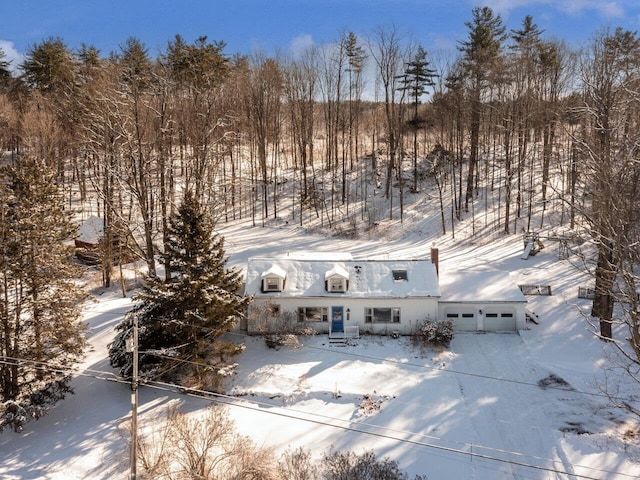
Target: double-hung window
x: 382, y: 315
x: 313, y: 314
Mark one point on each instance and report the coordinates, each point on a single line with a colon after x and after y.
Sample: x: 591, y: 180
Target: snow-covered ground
x: 491, y: 406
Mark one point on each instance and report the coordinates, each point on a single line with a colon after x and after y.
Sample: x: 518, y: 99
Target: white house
x: 336, y: 293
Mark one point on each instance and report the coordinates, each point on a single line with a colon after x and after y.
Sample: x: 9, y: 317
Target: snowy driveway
x: 515, y: 410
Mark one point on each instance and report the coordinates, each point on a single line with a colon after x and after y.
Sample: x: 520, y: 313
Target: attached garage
x: 462, y: 316
x: 499, y: 320
x: 482, y: 301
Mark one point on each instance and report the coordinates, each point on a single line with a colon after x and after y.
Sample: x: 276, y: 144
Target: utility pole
x: 134, y: 401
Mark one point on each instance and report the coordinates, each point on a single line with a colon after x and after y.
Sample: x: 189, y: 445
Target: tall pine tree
x: 41, y: 336
x: 415, y: 80
x: 481, y: 53
x: 5, y: 71
x: 181, y: 319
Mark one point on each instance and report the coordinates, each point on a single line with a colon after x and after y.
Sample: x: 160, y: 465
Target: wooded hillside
x: 343, y: 134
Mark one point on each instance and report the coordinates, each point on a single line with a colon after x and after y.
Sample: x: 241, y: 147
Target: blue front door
x: 337, y: 319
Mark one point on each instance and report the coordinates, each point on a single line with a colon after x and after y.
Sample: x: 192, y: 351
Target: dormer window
x: 400, y: 275
x: 336, y: 280
x: 273, y: 279
x: 337, y: 285
x: 272, y: 284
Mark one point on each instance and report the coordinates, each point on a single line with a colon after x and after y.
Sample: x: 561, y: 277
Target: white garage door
x: 499, y: 321
x: 463, y: 321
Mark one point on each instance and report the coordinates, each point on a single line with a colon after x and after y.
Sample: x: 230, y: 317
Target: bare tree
x: 387, y: 50
x: 610, y: 92
x: 298, y: 465
x: 205, y: 448
x: 264, y: 112
x: 300, y: 88
x: 135, y: 122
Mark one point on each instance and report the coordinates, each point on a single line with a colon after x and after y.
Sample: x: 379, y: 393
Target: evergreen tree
x: 49, y: 66
x: 136, y: 65
x: 5, y: 72
x: 417, y: 77
x: 481, y: 53
x: 182, y: 319
x: 356, y: 56
x: 415, y: 80
x: 41, y: 336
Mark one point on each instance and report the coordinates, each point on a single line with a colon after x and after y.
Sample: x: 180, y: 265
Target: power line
x: 232, y: 401
x: 39, y: 365
x: 404, y: 364
x: 445, y: 370
x: 438, y: 369
x: 181, y: 389
x: 316, y: 384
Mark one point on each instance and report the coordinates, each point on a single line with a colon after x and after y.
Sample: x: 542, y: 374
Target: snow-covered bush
x: 279, y: 327
x: 366, y: 466
x: 437, y: 333
x: 15, y: 413
x: 276, y: 340
x: 208, y: 446
x: 369, y: 404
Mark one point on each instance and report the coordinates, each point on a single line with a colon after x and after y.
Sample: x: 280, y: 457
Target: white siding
x: 491, y: 317
x: 412, y: 312
x: 500, y: 319
x: 464, y: 317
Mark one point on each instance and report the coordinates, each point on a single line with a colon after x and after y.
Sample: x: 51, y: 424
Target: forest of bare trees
x: 524, y: 124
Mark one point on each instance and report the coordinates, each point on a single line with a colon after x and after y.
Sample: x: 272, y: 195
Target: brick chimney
x: 435, y: 259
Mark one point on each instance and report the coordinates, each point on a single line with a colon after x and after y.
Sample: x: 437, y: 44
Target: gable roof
x: 337, y: 271
x: 276, y: 271
x: 367, y: 278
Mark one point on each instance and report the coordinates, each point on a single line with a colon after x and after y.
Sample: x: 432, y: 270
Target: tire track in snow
x: 493, y: 407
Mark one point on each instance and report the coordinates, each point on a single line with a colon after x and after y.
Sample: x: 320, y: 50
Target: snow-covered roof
x: 367, y: 278
x: 92, y: 230
x: 337, y: 270
x: 479, y: 286
x: 276, y: 271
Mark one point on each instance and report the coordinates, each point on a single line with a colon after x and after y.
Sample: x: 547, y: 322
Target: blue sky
x: 284, y: 24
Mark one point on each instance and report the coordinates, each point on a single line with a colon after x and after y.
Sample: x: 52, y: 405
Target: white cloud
x: 504, y: 7
x: 606, y: 8
x: 300, y: 44
x: 11, y: 54
x: 443, y: 43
